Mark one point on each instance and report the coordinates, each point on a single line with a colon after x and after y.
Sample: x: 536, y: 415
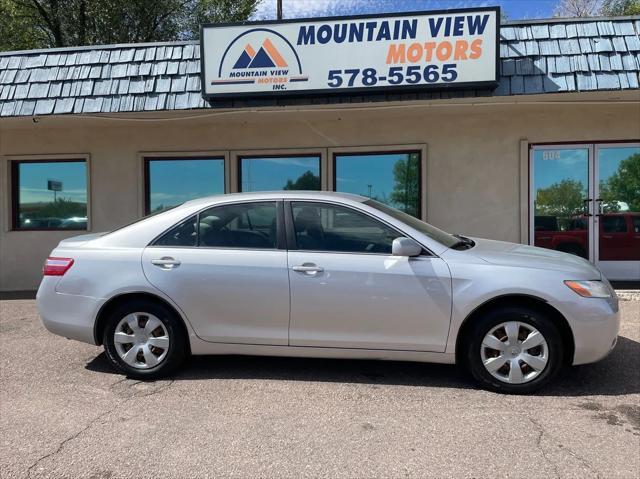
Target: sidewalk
x: 628, y: 294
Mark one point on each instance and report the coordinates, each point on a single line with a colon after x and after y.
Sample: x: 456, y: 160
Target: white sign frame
x: 220, y: 69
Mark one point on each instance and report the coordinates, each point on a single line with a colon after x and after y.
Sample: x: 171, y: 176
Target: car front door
x: 348, y: 291
x: 227, y: 271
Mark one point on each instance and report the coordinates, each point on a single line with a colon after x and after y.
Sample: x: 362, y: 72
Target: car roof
x: 270, y: 195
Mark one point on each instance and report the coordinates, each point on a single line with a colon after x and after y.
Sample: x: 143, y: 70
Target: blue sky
x: 34, y: 176
x: 515, y: 9
x: 174, y: 182
x: 573, y: 163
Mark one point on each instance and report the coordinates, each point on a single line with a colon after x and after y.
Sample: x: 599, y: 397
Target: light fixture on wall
x: 35, y: 119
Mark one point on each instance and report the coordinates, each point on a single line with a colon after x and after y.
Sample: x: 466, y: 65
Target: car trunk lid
x: 80, y: 240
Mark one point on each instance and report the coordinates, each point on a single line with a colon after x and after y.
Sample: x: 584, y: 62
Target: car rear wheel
x: 514, y: 350
x: 144, y: 340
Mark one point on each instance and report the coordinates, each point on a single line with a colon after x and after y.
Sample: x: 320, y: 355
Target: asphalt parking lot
x: 64, y: 413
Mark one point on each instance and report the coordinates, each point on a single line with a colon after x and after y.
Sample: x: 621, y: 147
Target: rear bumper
x: 68, y: 315
x: 595, y: 327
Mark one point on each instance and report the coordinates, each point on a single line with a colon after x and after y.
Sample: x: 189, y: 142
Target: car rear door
x: 348, y: 291
x: 226, y: 268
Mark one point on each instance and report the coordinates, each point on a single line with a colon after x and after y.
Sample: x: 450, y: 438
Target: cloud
x: 288, y: 161
x: 35, y: 195
x: 168, y: 196
x: 322, y: 8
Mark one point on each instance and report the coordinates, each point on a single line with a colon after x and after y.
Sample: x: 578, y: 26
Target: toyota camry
x: 329, y: 275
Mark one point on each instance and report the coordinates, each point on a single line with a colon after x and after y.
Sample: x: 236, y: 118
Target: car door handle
x: 308, y: 268
x: 166, y: 262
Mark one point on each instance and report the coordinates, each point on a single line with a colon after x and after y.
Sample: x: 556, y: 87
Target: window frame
x: 292, y: 242
x: 420, y: 150
x: 281, y: 244
x: 256, y: 156
x: 14, y: 188
x: 200, y: 156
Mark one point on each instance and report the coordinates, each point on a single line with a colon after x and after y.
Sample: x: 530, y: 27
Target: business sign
x: 54, y: 185
x: 454, y: 48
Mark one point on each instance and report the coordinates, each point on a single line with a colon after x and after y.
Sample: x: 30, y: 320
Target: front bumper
x: 595, y: 324
x: 68, y: 315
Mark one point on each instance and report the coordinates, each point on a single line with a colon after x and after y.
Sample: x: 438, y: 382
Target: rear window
x: 183, y: 234
x: 251, y: 225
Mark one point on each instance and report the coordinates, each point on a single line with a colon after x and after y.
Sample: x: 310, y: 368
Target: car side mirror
x: 405, y: 247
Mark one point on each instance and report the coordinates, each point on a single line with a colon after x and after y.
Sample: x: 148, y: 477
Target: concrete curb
x: 628, y: 294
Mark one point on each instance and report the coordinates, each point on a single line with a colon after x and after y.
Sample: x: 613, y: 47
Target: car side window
x: 183, y: 234
x: 247, y: 225
x: 327, y: 227
x: 614, y: 224
x: 636, y: 224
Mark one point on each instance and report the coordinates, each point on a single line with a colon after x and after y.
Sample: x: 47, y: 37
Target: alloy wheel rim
x: 514, y: 352
x: 141, y: 340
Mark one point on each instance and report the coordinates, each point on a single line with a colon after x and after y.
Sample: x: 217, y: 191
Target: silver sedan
x: 325, y: 275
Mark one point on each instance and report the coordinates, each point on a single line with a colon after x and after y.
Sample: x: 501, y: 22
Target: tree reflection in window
x: 620, y: 191
x: 390, y: 178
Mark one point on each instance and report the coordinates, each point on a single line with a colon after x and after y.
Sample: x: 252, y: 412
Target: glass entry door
x: 585, y: 200
x: 617, y: 210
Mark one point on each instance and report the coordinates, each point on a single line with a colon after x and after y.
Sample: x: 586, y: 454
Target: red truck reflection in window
x: 619, y: 235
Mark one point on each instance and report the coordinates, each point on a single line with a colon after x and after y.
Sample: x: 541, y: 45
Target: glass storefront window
x: 172, y: 181
x: 50, y: 195
x: 266, y: 173
x: 390, y: 178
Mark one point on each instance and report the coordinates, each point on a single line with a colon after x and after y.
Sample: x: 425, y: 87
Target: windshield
x: 432, y: 232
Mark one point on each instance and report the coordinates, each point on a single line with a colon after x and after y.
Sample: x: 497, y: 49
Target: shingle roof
x: 544, y: 56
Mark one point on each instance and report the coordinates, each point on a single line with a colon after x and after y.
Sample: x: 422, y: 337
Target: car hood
x: 519, y: 255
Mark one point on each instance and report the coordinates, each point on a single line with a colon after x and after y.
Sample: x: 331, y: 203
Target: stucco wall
x: 473, y: 158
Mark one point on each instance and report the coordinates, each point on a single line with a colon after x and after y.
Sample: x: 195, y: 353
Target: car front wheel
x: 144, y: 340
x: 514, y: 350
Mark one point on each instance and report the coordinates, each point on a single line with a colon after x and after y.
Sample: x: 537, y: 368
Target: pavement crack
x: 71, y: 438
x: 156, y: 390
x: 541, y: 433
x: 119, y: 381
x: 97, y: 419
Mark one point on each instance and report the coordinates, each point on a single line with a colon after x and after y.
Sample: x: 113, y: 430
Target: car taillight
x: 56, y: 266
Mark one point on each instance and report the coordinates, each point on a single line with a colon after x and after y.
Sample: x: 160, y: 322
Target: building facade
x: 94, y: 138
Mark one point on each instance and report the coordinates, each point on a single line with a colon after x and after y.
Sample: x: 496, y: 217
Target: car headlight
x: 590, y: 289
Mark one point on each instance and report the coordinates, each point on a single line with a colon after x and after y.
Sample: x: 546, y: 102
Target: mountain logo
x: 267, y: 56
x: 259, y: 60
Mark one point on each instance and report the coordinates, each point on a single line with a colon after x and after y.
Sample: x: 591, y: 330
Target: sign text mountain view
x: 384, y: 30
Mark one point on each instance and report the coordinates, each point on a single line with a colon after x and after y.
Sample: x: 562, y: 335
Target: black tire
x: 488, y: 321
x: 175, y: 354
